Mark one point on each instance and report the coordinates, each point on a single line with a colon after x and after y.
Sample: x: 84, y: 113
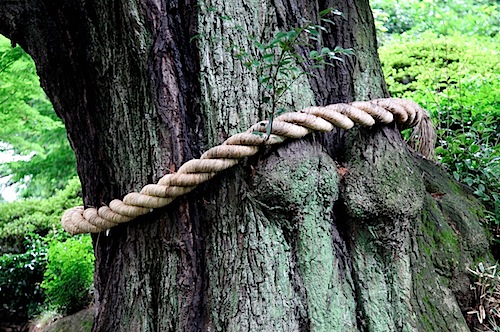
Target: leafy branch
x: 278, y: 64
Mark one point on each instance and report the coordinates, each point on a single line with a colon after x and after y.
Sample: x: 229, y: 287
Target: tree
x: 281, y: 242
x: 30, y: 128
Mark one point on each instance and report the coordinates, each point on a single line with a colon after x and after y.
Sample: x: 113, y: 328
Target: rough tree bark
x: 281, y: 242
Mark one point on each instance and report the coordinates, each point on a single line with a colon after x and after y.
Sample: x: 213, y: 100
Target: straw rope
x: 289, y: 125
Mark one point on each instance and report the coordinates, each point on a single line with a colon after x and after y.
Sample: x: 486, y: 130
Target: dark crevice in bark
x: 345, y: 231
x: 174, y: 68
x: 333, y: 143
x: 339, y: 236
x: 361, y: 320
x: 189, y: 276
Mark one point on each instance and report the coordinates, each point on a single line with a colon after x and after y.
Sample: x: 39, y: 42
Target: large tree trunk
x: 280, y: 242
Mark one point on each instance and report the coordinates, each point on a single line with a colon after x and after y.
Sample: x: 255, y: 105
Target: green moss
x: 439, y: 234
x: 304, y: 183
x: 429, y: 317
x: 427, y: 249
x: 448, y: 239
x: 316, y: 255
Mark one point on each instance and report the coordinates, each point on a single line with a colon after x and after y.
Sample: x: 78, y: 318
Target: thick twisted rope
x: 289, y: 125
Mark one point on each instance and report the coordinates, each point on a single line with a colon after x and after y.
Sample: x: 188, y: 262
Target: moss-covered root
x: 449, y: 238
x: 411, y: 236
x: 308, y: 191
x: 282, y: 264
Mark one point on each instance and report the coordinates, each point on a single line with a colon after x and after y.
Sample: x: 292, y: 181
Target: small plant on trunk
x: 282, y: 60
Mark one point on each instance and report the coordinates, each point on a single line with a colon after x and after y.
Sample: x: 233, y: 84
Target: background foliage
x: 29, y: 228
x: 30, y: 240
x: 68, y: 279
x: 445, y: 55
x: 444, y: 17
x: 29, y: 127
x: 35, y: 216
x: 20, y: 278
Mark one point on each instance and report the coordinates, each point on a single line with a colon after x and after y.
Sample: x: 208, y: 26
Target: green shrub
x: 55, y: 271
x: 69, y: 275
x: 455, y: 69
x: 20, y: 279
x: 458, y: 80
x: 23, y: 258
x: 35, y: 216
x: 445, y: 17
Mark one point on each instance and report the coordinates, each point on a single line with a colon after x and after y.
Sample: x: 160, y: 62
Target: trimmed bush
x: 458, y: 80
x: 38, y: 216
x: 467, y: 17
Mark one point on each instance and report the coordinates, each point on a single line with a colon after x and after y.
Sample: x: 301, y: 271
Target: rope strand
x: 289, y: 125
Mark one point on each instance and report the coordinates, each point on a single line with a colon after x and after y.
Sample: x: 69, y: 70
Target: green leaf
x: 260, y: 46
x: 269, y: 57
x: 284, y: 73
x: 264, y: 79
x: 285, y: 62
x: 332, y: 57
x: 313, y: 32
x: 325, y: 50
x: 440, y: 150
x: 196, y: 37
x: 474, y: 148
x: 328, y: 21
x: 280, y: 35
x: 291, y: 34
x: 325, y: 12
x: 347, y: 51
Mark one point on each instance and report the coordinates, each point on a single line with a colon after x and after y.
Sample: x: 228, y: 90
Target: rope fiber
x: 295, y: 125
